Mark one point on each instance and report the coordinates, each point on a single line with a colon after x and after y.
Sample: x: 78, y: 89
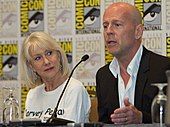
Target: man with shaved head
x: 124, y: 89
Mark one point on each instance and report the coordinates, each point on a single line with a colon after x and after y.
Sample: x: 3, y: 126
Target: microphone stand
x: 59, y: 121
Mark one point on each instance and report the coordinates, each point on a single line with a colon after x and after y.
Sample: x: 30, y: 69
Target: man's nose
x: 109, y: 29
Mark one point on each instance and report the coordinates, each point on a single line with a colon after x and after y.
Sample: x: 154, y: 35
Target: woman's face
x: 45, y: 62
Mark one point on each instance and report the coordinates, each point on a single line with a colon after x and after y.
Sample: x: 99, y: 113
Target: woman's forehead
x: 33, y: 50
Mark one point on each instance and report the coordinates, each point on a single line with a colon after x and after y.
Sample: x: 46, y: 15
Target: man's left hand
x: 127, y: 115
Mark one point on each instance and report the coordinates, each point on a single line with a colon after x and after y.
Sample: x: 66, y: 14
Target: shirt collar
x: 133, y: 66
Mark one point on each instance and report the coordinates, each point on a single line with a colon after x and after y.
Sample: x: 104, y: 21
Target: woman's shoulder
x: 75, y: 81
x: 76, y: 88
x: 75, y: 84
x: 36, y: 89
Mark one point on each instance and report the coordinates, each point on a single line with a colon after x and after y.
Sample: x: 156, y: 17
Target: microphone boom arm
x: 53, y: 117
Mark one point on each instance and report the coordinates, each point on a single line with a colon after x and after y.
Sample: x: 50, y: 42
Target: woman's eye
x: 49, y: 53
x: 37, y: 58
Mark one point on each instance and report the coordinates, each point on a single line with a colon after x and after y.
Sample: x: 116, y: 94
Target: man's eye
x: 117, y: 24
x: 105, y: 26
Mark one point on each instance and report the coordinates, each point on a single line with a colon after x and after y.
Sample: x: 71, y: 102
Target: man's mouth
x: 111, y: 42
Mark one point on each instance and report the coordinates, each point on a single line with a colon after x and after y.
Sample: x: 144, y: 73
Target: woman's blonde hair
x: 44, y: 41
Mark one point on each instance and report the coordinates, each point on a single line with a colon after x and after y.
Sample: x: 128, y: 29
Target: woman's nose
x: 46, y: 60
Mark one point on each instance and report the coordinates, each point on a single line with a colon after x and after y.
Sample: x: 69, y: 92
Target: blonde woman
x: 45, y: 68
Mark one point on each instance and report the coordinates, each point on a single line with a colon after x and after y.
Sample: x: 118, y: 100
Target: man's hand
x: 127, y: 115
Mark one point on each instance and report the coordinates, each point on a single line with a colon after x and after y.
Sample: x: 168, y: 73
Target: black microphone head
x: 85, y: 57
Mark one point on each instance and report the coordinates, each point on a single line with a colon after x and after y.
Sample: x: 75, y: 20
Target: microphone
x: 59, y: 121
x: 85, y: 57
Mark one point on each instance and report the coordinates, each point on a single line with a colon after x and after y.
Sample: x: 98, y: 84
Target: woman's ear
x: 139, y: 31
x: 30, y: 66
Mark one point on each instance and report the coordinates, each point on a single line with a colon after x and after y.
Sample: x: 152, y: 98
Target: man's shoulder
x: 156, y: 57
x: 105, y: 67
x: 159, y: 57
x: 104, y: 70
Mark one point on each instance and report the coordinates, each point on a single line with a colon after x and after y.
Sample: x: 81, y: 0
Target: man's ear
x: 139, y: 31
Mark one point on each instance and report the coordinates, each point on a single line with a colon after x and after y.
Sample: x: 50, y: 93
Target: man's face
x: 119, y: 30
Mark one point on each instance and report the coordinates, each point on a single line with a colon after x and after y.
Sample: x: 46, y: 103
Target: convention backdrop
x: 76, y: 25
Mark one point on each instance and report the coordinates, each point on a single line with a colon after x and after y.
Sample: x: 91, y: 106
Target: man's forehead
x: 116, y: 16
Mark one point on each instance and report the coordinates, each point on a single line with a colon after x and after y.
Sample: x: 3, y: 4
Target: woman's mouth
x: 48, y: 69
